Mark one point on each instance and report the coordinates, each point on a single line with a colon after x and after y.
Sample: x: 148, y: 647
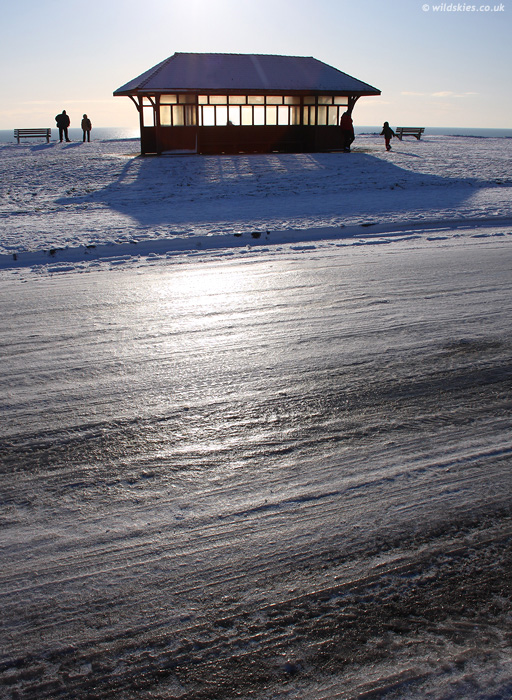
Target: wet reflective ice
x: 257, y: 472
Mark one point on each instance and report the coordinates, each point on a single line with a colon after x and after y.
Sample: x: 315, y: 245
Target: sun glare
x: 212, y: 290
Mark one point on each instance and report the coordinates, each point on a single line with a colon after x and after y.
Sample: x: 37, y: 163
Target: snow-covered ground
x: 68, y: 198
x: 245, y: 451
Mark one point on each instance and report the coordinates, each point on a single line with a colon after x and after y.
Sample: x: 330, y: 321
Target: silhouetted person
x: 388, y: 134
x: 86, y: 127
x: 63, y: 123
x: 347, y: 131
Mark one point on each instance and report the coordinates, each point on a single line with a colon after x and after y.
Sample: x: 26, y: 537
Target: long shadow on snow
x: 199, y: 189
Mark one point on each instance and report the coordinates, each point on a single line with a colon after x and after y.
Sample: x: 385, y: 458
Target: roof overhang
x: 244, y: 74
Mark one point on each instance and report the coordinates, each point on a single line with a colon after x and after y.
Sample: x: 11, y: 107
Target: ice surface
x: 270, y: 468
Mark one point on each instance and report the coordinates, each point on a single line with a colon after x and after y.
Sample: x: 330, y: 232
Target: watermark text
x: 462, y: 7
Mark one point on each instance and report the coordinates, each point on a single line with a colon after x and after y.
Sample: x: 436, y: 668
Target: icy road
x: 266, y: 477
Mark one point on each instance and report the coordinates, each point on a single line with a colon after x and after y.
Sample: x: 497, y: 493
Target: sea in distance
x: 112, y: 133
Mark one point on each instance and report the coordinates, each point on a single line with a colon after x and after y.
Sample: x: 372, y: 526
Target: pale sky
x: 434, y: 68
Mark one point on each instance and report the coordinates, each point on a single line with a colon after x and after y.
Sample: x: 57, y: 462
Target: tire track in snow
x: 286, y: 639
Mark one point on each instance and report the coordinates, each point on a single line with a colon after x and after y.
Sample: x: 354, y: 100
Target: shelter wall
x: 234, y: 139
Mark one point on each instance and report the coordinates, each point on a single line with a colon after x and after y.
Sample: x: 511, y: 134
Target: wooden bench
x: 33, y: 134
x: 402, y: 131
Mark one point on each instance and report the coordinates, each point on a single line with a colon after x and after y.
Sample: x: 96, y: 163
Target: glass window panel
x: 234, y: 115
x: 202, y: 99
x: 332, y: 116
x: 246, y: 116
x: 165, y: 115
x: 283, y: 116
x: 271, y: 115
x: 259, y: 116
x: 148, y: 116
x: 178, y: 115
x: 190, y: 115
x: 310, y: 115
x: 292, y: 100
x: 324, y: 100
x: 168, y: 99
x: 274, y: 99
x: 340, y: 100
x: 186, y: 99
x: 218, y: 100
x: 309, y: 99
x: 208, y: 116
x: 322, y: 116
x: 237, y: 99
x: 221, y: 116
x: 256, y: 99
x: 294, y: 115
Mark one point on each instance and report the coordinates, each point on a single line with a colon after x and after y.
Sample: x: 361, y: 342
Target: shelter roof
x: 217, y: 72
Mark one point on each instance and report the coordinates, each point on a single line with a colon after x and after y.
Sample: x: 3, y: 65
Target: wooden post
x: 138, y: 106
x: 156, y: 108
x: 352, y: 99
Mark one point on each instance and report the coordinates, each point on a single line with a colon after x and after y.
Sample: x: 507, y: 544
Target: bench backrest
x: 402, y: 131
x: 43, y: 132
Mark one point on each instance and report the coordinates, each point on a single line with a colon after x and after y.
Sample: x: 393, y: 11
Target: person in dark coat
x: 347, y: 131
x: 86, y: 127
x: 388, y: 134
x: 63, y: 124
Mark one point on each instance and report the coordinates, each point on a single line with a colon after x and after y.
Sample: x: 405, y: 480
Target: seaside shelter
x: 242, y: 103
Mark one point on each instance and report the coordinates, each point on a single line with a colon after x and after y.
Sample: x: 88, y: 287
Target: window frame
x: 242, y: 110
